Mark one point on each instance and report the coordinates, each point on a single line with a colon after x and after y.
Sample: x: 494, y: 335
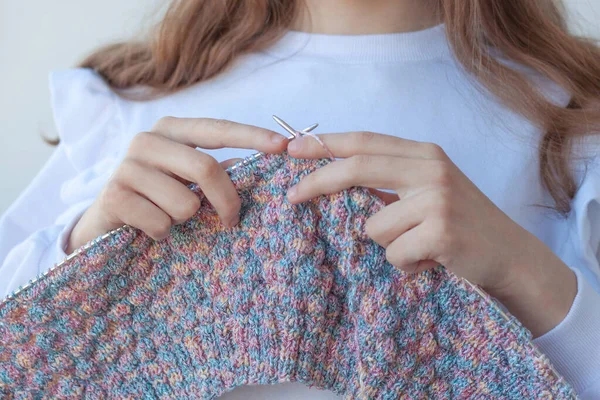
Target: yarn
x: 292, y: 293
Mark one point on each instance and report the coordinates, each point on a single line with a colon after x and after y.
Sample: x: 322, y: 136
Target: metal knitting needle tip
x: 291, y: 130
x: 284, y: 125
x: 310, y: 128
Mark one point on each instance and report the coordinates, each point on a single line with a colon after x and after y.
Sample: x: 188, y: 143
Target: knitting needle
x: 310, y: 128
x: 258, y: 155
x: 291, y: 130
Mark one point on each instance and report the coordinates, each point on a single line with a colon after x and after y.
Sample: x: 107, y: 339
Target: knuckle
x: 188, y: 207
x: 163, y: 123
x: 113, y: 197
x: 442, y: 174
x: 141, y: 141
x: 433, y: 150
x: 197, y: 165
x: 363, y: 138
x: 222, y: 125
x: 206, y: 168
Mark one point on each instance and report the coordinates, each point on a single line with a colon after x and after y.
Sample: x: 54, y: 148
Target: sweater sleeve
x: 34, y: 231
x: 574, y: 345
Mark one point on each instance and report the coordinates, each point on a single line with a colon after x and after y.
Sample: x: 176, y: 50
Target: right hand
x: 148, y: 190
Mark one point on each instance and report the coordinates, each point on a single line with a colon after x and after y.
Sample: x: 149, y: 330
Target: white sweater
x: 405, y: 84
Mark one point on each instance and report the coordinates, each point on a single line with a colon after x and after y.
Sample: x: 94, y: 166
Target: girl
x: 475, y: 120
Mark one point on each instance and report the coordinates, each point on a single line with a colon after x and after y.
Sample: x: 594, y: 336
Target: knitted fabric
x: 292, y: 293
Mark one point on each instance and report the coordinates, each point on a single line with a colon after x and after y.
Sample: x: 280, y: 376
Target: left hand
x: 438, y: 216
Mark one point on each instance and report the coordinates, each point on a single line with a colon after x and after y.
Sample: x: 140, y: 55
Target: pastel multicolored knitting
x: 292, y: 293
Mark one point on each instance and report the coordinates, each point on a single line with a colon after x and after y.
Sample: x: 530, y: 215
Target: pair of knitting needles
x: 291, y: 130
x: 294, y: 134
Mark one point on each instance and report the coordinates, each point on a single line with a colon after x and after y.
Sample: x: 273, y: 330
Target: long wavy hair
x: 198, y: 39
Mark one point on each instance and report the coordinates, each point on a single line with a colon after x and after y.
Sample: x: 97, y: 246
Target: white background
x: 37, y: 36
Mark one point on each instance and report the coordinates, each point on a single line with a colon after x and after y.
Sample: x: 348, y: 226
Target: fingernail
x: 277, y: 138
x: 234, y: 221
x: 292, y: 192
x: 295, y: 144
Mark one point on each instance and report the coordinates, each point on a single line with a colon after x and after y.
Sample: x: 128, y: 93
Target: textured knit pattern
x: 292, y: 293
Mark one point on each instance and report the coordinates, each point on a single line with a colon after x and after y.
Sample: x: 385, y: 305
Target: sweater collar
x: 430, y: 43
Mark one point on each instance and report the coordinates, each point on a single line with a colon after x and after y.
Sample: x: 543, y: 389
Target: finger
x: 228, y: 163
x: 171, y: 156
x: 194, y: 166
x: 347, y: 144
x: 392, y: 221
x: 386, y: 172
x: 412, y: 252
x: 141, y: 213
x: 174, y: 198
x: 175, y: 159
x: 210, y: 133
x: 225, y: 164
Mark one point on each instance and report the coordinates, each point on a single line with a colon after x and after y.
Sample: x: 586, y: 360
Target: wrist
x: 80, y: 234
x: 72, y: 241
x: 540, y: 290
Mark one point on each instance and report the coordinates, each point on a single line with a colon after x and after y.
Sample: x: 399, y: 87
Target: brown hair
x: 198, y: 39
